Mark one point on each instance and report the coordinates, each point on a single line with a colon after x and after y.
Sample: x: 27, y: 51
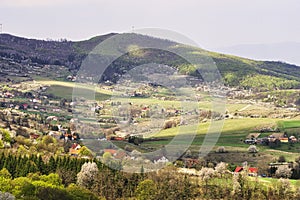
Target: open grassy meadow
x: 64, y: 89
x: 288, y: 124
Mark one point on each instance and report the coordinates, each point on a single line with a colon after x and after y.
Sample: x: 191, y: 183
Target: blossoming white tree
x: 87, y: 175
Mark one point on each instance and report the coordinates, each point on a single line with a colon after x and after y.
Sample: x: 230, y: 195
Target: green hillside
x: 235, y: 71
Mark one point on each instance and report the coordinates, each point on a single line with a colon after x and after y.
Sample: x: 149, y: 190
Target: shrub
x: 221, y: 149
x: 48, y: 140
x: 5, y: 135
x: 146, y: 190
x: 78, y: 193
x: 84, y: 151
x: 5, y: 173
x: 252, y: 149
x: 281, y: 159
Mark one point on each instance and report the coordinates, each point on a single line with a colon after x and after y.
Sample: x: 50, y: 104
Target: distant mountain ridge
x: 236, y: 71
x: 66, y: 53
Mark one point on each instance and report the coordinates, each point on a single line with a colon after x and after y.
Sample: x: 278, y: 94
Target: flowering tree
x: 221, y: 168
x: 206, y: 174
x: 283, y: 171
x: 221, y: 149
x: 252, y: 149
x: 283, y: 188
x: 6, y: 196
x: 87, y: 175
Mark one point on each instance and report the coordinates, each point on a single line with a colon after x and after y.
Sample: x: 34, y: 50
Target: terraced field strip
x: 231, y: 126
x: 74, y: 84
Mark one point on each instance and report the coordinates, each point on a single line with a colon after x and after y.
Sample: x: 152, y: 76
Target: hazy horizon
x: 212, y: 24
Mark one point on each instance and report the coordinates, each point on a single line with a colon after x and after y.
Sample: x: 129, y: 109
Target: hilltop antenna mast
x: 132, y: 29
x: 0, y: 28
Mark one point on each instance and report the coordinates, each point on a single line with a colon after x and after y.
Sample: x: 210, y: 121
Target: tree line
x: 62, y: 177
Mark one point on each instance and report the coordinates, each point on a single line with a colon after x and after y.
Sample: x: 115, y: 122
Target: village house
x: 113, y: 152
x: 120, y: 155
x: 252, y: 171
x: 163, y: 159
x: 293, y: 139
x: 74, y: 150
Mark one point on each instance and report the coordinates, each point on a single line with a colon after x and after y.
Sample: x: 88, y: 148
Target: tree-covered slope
x: 236, y: 71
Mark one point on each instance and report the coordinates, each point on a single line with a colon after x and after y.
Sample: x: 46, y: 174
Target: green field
x: 237, y: 127
x: 234, y: 132
x: 67, y: 93
x: 66, y: 89
x: 74, y: 85
x: 63, y: 89
x: 288, y: 124
x: 273, y: 181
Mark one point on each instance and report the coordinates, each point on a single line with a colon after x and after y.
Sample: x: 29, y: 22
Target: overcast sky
x: 211, y: 23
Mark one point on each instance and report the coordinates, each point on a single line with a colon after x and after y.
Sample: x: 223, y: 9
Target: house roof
x: 73, y: 151
x: 120, y: 155
x: 238, y: 169
x: 74, y: 145
x: 284, y: 140
x: 251, y: 169
x: 112, y: 151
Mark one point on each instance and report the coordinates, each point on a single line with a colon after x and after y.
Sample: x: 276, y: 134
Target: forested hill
x: 236, y: 71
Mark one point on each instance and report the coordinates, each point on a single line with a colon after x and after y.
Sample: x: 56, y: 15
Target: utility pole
x: 0, y: 28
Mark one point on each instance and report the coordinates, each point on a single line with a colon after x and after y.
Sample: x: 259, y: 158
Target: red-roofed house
x: 238, y: 169
x: 252, y: 171
x: 74, y: 150
x: 284, y: 140
x: 25, y: 106
x: 111, y: 151
x: 121, y: 155
x: 75, y: 146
